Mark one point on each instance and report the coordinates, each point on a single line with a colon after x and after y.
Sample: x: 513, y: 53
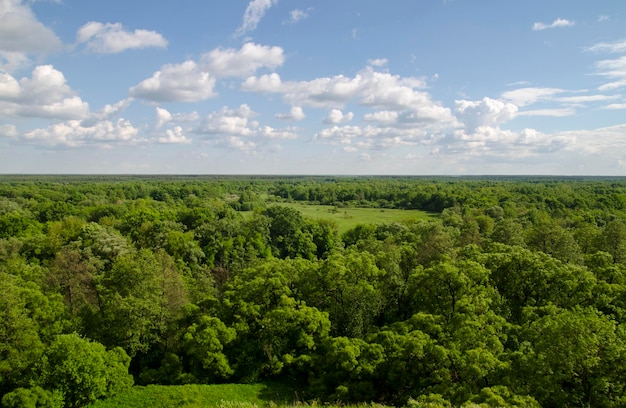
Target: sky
x: 355, y: 87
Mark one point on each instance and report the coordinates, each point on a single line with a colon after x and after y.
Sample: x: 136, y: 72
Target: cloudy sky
x: 313, y: 87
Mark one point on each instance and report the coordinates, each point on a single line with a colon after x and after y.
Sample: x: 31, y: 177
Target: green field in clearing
x: 195, y: 396
x: 211, y: 396
x: 350, y: 217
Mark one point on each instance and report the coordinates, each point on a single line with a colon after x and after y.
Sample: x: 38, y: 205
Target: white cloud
x: 9, y: 131
x: 367, y: 87
x: 111, y: 38
x: 558, y: 23
x: 110, y: 110
x: 230, y: 62
x: 383, y: 117
x: 605, y: 142
x: 174, y: 136
x: 611, y: 47
x: 486, y: 112
x: 616, y: 106
x: 527, y: 96
x: 272, y: 133
x: 554, y: 112
x: 237, y: 143
x: 230, y: 122
x: 21, y: 32
x: 296, y: 113
x: 489, y: 142
x: 610, y: 86
x: 406, y: 114
x: 184, y: 82
x: 335, y: 117
x: 297, y: 15
x: 378, y: 62
x: 265, y: 83
x: 254, y: 13
x: 615, y: 70
x: 586, y: 98
x: 193, y: 82
x: 163, y: 116
x: 45, y: 94
x: 73, y: 133
x: 371, y: 137
x: 365, y: 157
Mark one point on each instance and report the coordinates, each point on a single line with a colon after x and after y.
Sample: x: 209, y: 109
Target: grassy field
x: 195, y: 396
x: 210, y: 396
x: 347, y: 218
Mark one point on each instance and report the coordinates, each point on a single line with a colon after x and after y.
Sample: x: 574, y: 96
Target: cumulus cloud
x: 382, y: 117
x: 163, y: 116
x: 230, y: 122
x: 230, y: 62
x: 237, y: 129
x: 184, y: 82
x: 109, y: 110
x: 74, y: 133
x: 296, y: 113
x: 112, y: 38
x: 194, y: 81
x: 237, y: 143
x: 21, y: 34
x: 45, y: 94
x: 335, y: 116
x: 371, y: 137
x: 405, y: 114
x: 254, y: 13
x: 558, y: 23
x: 9, y: 131
x: 272, y: 133
x: 367, y: 87
x: 486, y: 112
x: 174, y: 136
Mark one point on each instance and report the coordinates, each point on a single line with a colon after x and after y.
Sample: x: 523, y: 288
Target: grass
x: 349, y: 217
x: 192, y: 396
x: 211, y: 396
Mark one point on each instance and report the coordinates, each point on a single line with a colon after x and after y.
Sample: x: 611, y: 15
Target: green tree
x: 204, y: 343
x: 572, y: 358
x: 289, y: 234
x: 82, y: 370
x: 347, y: 286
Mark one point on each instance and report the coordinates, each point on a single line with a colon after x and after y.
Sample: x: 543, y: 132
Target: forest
x: 510, y: 291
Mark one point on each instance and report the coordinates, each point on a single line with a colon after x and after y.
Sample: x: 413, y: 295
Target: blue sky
x: 313, y: 87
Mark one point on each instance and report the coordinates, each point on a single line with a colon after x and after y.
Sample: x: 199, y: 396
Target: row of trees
x: 519, y: 305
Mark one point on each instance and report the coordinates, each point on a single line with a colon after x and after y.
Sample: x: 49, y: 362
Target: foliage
x: 434, y: 292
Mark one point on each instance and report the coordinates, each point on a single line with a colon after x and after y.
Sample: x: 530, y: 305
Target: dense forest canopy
x: 512, y: 295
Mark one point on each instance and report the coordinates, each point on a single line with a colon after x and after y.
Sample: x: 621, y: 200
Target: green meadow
x: 349, y: 217
x: 193, y: 395
x: 209, y: 396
